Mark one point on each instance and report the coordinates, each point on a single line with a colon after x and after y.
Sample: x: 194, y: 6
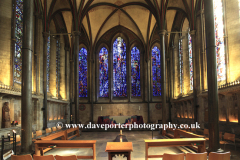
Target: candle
x: 121, y: 139
x: 139, y: 108
x: 101, y: 108
x: 120, y: 132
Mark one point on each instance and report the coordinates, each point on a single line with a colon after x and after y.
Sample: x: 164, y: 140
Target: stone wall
x: 5, y: 41
x: 122, y: 109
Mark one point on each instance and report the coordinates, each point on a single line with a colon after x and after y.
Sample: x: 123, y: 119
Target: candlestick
x: 121, y: 139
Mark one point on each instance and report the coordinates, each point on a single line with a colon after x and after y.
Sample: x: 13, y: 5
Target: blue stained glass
x: 135, y: 72
x: 48, y: 63
x: 103, y: 73
x: 83, y: 72
x: 58, y: 68
x: 220, y: 46
x: 156, y: 71
x: 18, y: 42
x: 119, y: 68
x: 181, y: 65
x: 190, y: 59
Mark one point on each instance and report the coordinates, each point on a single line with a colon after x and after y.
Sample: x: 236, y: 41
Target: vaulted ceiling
x: 96, y: 17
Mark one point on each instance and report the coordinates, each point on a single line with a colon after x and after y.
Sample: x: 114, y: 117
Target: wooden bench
x: 73, y: 130
x: 173, y: 143
x: 62, y: 134
x: 228, y: 138
x: 40, y: 145
x: 169, y: 134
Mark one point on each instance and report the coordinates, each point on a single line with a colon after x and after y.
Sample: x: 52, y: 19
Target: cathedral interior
x: 120, y: 61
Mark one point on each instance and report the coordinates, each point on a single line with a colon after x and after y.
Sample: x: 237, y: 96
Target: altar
x: 120, y: 119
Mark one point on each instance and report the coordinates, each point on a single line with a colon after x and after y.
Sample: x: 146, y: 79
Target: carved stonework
x: 6, y: 116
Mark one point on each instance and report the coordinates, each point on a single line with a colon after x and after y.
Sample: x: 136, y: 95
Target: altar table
x: 120, y: 119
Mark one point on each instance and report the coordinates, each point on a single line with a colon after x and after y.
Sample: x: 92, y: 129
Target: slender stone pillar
x: 45, y: 111
x: 26, y: 145
x: 213, y: 121
x: 67, y: 72
x: 173, y: 72
x: 195, y: 59
x: 162, y: 34
x: 37, y: 50
x: 76, y: 35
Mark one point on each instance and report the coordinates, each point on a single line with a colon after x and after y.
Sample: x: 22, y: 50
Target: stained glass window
x: 18, y: 42
x: 181, y: 65
x: 156, y: 71
x: 103, y: 73
x: 119, y: 68
x: 48, y: 63
x: 190, y: 59
x: 58, y: 68
x: 219, y: 32
x: 135, y: 72
x: 83, y: 72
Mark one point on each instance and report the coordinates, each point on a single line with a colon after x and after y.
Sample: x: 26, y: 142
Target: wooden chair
x: 228, y: 138
x: 219, y: 156
x: 166, y: 156
x: 196, y: 156
x: 22, y: 157
x: 54, y: 129
x: 38, y: 133
x: 206, y: 133
x: 48, y: 130
x: 48, y: 157
x: 74, y: 157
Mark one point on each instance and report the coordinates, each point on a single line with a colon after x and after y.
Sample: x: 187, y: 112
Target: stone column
x: 62, y: 69
x: 71, y: 89
x: 27, y: 51
x: 1, y: 105
x: 52, y: 80
x: 37, y: 52
x: 45, y: 108
x: 173, y: 72
x: 162, y: 34
x: 213, y: 120
x: 195, y: 59
x: 76, y: 35
x: 67, y: 72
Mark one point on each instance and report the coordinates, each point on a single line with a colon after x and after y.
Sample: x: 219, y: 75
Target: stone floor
x: 136, y: 137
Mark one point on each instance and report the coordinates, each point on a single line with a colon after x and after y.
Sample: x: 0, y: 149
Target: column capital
x: 162, y: 32
x: 76, y: 33
x: 45, y: 35
x: 193, y: 32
